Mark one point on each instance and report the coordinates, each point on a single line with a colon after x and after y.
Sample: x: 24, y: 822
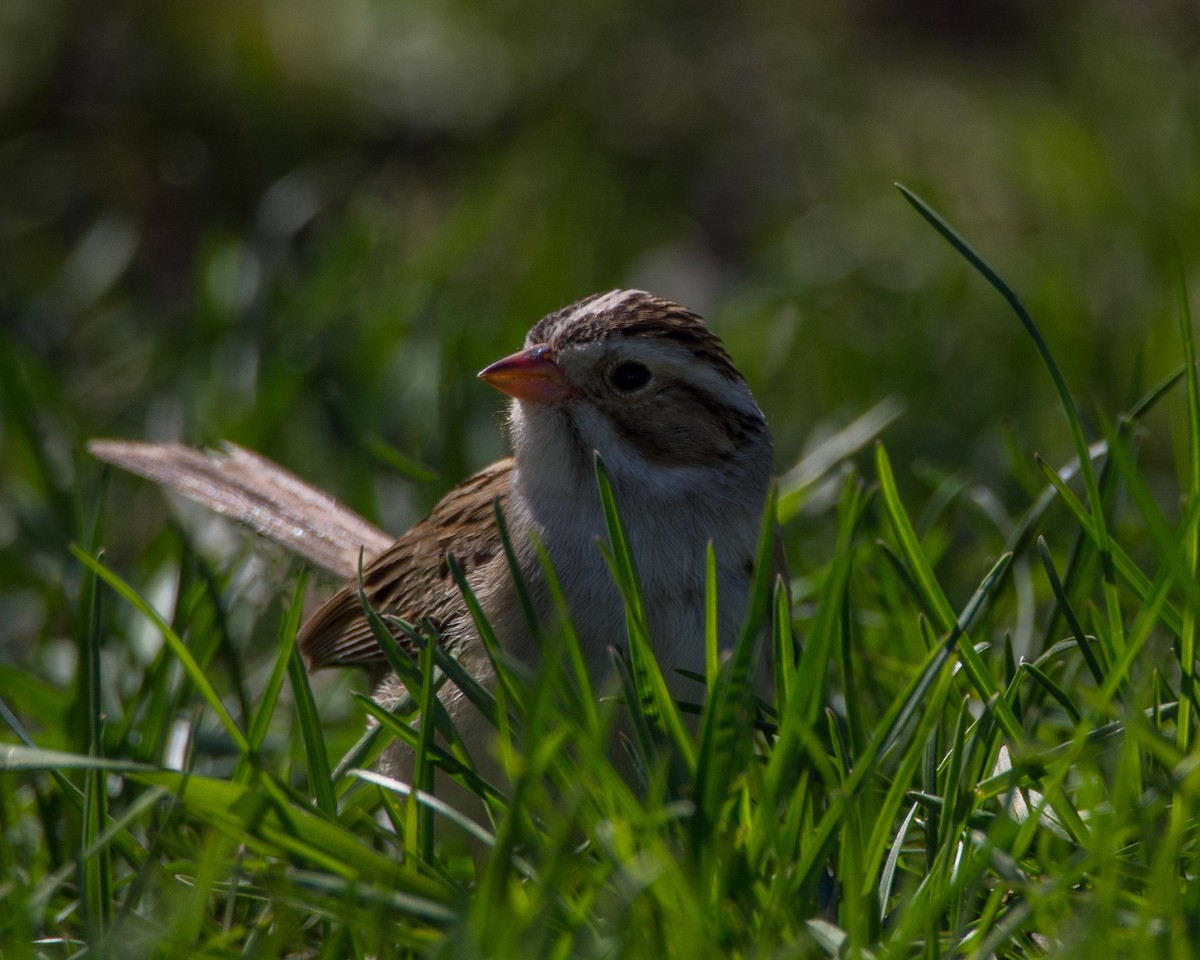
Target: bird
x: 637, y: 380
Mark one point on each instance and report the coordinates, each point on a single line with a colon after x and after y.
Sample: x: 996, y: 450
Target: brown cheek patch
x: 680, y: 427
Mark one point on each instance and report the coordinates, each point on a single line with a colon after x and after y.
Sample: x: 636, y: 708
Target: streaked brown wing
x: 412, y: 578
x: 247, y: 487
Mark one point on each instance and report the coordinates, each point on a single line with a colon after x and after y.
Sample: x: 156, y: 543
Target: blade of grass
x: 566, y: 639
x: 1129, y: 572
x: 95, y: 871
x: 1112, y: 600
x: 269, y: 698
x: 438, y: 807
x: 1052, y: 688
x: 824, y: 632
x: 653, y: 696
x: 893, y: 724
x: 726, y: 735
x: 1184, y: 728
x: 1064, y: 604
x: 798, y: 482
x: 404, y: 665
x: 320, y: 778
x: 174, y: 641
x: 935, y: 601
x: 444, y: 759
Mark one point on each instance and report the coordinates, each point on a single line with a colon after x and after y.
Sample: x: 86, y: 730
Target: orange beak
x: 529, y: 374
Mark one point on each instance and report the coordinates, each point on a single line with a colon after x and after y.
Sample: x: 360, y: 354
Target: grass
x: 1008, y: 770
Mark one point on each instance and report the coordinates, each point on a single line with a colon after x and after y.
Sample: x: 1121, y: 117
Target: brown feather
x: 398, y: 582
x: 244, y: 486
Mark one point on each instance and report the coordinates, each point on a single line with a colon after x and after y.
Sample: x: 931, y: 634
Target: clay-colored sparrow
x: 636, y: 378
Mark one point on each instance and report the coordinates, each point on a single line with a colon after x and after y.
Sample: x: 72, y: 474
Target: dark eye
x: 629, y: 376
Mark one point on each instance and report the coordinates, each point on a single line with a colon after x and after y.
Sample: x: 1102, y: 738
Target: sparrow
x: 635, y: 379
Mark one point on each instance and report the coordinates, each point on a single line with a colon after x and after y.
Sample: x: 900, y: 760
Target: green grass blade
x: 404, y: 665
x: 453, y: 765
x: 320, y: 777
x: 1052, y: 688
x: 1064, y: 604
x: 195, y: 673
x: 1064, y: 395
x: 1190, y: 533
x: 263, y: 818
x: 96, y: 870
x: 269, y: 699
x: 826, y: 628
x: 653, y: 696
x: 797, y: 483
x: 491, y: 643
x: 1128, y: 571
x: 435, y: 805
x: 422, y: 767
x: 565, y: 639
x: 935, y: 601
x: 726, y: 730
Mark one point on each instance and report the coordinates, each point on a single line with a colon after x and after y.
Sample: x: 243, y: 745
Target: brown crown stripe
x: 643, y: 316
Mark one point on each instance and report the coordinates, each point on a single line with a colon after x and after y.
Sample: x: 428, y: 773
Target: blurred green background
x: 303, y: 226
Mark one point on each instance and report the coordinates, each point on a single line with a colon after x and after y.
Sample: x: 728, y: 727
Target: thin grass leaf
x: 95, y: 870
x: 784, y: 646
x: 480, y: 697
x: 1064, y: 605
x: 935, y: 601
x: 567, y: 640
x: 953, y: 813
x: 528, y: 608
x: 1153, y: 611
x: 28, y: 758
x: 173, y: 640
x: 445, y: 760
x: 404, y: 666
x: 422, y: 768
x: 507, y: 686
x: 825, y: 631
x: 1052, y: 688
x: 387, y: 453
x: 1190, y: 536
x: 275, y: 827
x: 224, y: 645
x: 105, y: 840
x: 269, y: 698
x: 1129, y: 572
x: 1024, y: 528
x: 893, y: 724
x: 726, y: 729
x: 440, y: 809
x: 1059, y: 757
x: 642, y: 743
x: 365, y: 751
x: 887, y: 879
x: 359, y: 903
x: 968, y: 252
x: 653, y: 696
x: 929, y: 781
x: 316, y: 757
x: 797, y: 483
x: 1166, y: 540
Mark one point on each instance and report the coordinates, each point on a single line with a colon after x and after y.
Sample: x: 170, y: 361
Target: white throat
x: 670, y: 514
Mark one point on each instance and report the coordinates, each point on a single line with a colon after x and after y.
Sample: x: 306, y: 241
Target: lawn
x: 305, y: 229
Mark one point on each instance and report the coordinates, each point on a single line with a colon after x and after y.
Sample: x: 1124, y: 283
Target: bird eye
x: 629, y: 376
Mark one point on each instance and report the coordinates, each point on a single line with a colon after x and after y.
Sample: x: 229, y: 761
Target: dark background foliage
x: 304, y: 226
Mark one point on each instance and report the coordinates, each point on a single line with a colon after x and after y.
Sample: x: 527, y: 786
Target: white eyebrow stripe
x: 603, y: 304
